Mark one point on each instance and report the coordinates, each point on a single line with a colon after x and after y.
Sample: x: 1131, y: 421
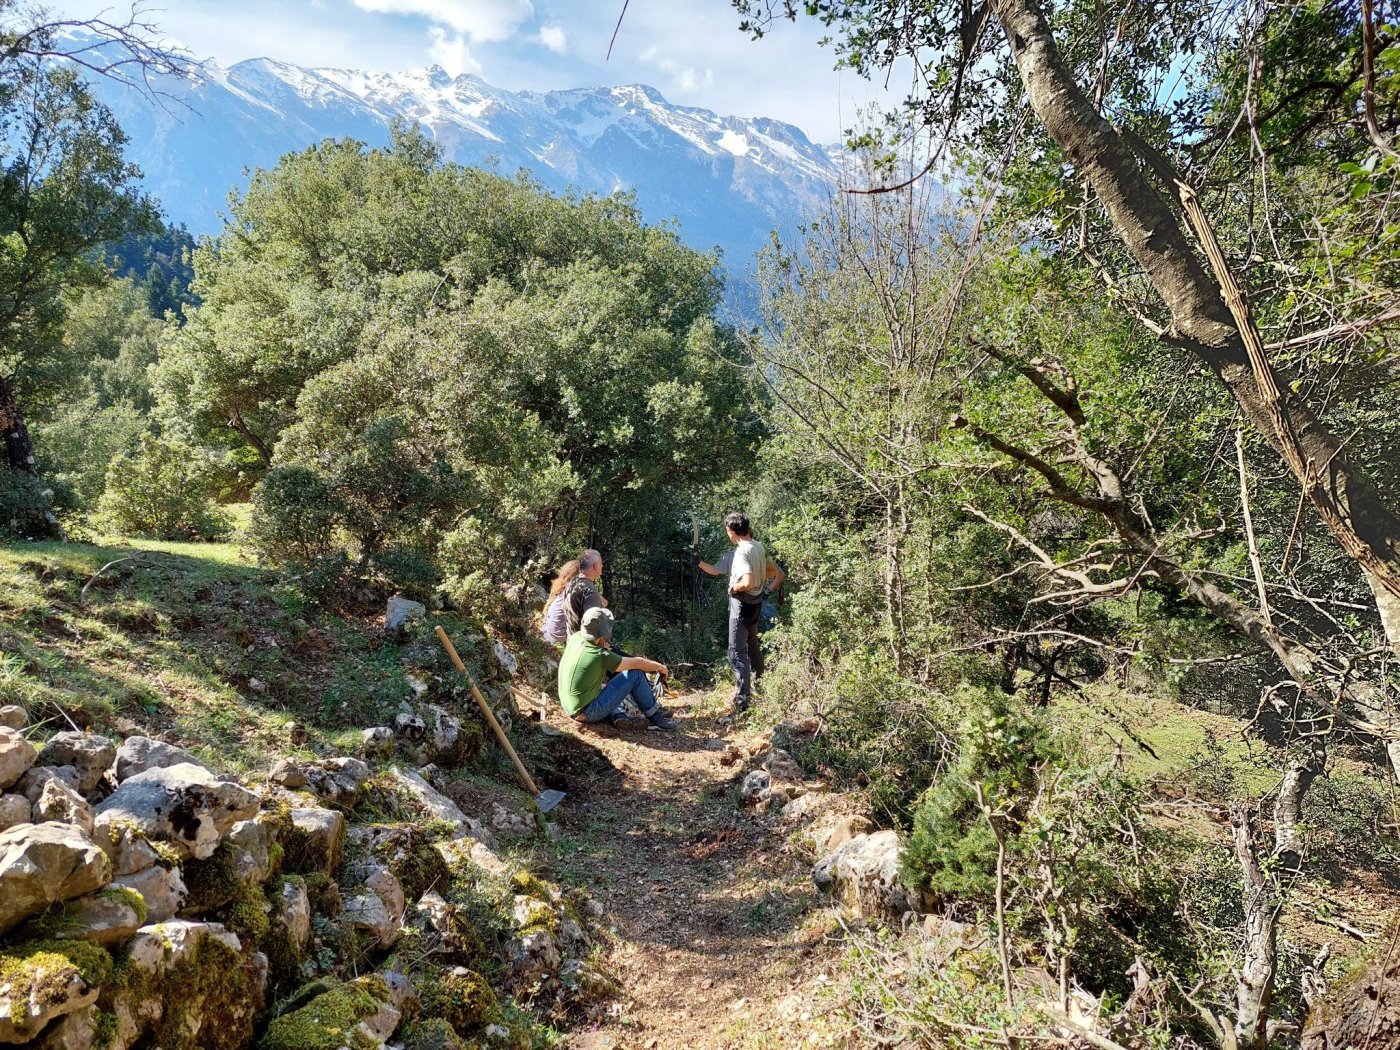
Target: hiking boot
x: 664, y: 722
x: 628, y: 722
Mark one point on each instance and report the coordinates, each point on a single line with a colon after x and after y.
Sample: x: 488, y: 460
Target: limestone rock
x: 337, y: 781
x: 409, y: 725
x: 381, y: 917
x: 318, y: 836
x: 405, y: 849
x: 361, y: 1013
x: 252, y: 840
x: 16, y: 756
x: 14, y: 809
x: 458, y: 852
x: 863, y: 873
x: 41, y: 986
x: 782, y: 768
x: 184, y: 805
x: 508, y: 663
x: 242, y: 860
x: 377, y: 742
x: 809, y: 807
x: 108, y: 917
x: 289, y: 773
x: 75, y: 1031
x: 400, y: 612
x: 44, y: 863
x: 163, y: 890
x: 831, y: 833
x: 140, y: 753
x: 59, y: 803
x: 757, y: 786
x: 31, y: 785
x: 587, y: 983
x: 532, y: 955
x: 191, y: 983
x: 13, y: 717
x: 434, y: 805
x: 90, y: 754
x: 126, y: 845
x: 293, y: 910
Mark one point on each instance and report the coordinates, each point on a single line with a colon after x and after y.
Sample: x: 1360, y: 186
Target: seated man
x: 588, y: 660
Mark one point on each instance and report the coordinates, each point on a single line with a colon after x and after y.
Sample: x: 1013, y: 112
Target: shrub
x: 952, y: 850
x: 295, y: 511
x: 26, y: 505
x: 161, y: 492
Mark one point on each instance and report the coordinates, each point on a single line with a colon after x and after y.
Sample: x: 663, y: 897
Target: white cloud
x: 683, y: 77
x: 480, y: 21
x: 554, y: 38
x: 450, y: 51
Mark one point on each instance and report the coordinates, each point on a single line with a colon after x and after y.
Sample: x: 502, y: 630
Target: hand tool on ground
x: 544, y: 800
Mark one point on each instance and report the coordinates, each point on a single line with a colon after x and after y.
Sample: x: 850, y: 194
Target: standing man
x: 750, y: 569
x: 587, y: 661
x: 583, y: 594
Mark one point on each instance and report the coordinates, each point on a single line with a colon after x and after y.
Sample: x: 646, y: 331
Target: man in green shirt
x: 586, y: 664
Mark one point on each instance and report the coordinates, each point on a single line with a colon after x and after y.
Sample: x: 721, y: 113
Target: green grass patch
x: 193, y: 640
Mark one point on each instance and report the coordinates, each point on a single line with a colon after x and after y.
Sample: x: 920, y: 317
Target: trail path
x: 721, y: 939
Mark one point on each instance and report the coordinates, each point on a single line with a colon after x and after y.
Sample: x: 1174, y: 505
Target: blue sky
x: 690, y: 50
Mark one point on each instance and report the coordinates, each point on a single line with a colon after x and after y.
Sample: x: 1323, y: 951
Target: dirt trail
x: 721, y: 939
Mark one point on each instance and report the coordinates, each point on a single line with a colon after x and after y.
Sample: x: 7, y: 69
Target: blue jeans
x: 745, y: 656
x: 631, y: 683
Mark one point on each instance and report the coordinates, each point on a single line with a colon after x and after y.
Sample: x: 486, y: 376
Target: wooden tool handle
x: 486, y: 711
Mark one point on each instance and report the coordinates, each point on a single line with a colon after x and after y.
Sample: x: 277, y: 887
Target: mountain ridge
x: 728, y: 181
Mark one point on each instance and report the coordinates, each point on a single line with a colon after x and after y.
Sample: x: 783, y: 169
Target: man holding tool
x: 588, y: 659
x: 750, y: 569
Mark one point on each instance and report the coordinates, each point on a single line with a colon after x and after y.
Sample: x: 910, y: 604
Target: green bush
x: 952, y: 851
x: 161, y: 492
x: 26, y: 506
x: 295, y: 512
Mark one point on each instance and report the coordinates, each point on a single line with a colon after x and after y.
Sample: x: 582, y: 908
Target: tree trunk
x: 19, y: 450
x: 1254, y: 979
x: 1202, y: 323
x: 1264, y: 888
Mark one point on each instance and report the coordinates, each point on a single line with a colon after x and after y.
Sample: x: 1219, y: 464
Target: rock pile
x: 855, y: 864
x: 147, y: 901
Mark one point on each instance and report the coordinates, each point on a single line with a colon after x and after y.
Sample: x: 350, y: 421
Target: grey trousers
x: 745, y: 656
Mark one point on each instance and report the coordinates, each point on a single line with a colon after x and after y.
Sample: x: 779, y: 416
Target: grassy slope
x: 195, y: 642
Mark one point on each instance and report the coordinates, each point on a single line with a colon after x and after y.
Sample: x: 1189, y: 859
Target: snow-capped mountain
x: 728, y: 181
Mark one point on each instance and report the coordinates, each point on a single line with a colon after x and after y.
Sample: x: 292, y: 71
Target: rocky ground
x: 719, y: 937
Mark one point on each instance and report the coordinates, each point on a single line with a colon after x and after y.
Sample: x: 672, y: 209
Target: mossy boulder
x: 407, y: 850
x: 459, y: 996
x: 44, y: 863
x: 185, y: 986
x: 108, y: 917
x: 44, y: 980
x: 315, y: 842
x: 356, y: 1014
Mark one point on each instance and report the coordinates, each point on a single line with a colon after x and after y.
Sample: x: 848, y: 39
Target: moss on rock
x: 328, y: 1020
x: 460, y: 996
x: 42, y: 972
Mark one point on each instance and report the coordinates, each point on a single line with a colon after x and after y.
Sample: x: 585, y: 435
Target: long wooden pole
x: 486, y: 711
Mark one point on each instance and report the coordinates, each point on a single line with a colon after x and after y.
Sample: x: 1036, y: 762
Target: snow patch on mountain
x: 727, y: 181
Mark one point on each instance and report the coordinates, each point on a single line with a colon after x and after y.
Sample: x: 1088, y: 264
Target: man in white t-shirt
x: 750, y: 569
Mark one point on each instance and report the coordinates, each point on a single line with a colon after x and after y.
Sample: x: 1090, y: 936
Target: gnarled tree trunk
x: 19, y: 450
x: 1202, y: 323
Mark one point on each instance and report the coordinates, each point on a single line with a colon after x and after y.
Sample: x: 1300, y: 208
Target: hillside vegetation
x: 1079, y: 726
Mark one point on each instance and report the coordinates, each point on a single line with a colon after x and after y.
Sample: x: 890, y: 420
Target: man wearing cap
x: 588, y: 660
x: 749, y: 569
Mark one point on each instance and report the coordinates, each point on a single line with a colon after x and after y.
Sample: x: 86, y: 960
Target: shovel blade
x: 547, y: 800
